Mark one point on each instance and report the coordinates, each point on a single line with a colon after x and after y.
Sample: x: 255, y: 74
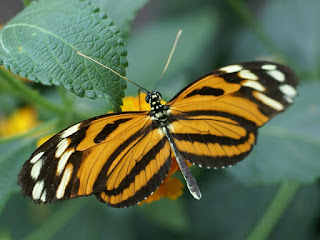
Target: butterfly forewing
x: 118, y: 157
x: 215, y: 119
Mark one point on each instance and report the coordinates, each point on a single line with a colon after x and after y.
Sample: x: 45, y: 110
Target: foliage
x: 273, y: 193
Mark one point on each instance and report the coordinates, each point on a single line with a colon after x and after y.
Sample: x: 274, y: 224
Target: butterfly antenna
x: 145, y: 90
x: 170, y: 56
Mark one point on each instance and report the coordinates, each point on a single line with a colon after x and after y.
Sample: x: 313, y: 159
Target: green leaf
x: 122, y: 12
x: 41, y: 43
x: 13, y: 155
x: 288, y: 148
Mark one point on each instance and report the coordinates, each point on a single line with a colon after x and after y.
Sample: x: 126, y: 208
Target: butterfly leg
x: 191, y: 182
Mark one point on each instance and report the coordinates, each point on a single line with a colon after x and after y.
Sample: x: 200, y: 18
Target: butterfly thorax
x: 159, y: 112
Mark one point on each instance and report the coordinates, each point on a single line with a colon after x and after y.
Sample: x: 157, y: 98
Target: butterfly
x: 122, y: 158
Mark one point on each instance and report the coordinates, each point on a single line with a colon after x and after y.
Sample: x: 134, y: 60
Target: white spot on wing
x: 70, y: 131
x: 247, y: 74
x: 231, y: 68
x: 254, y: 85
x: 288, y: 99
x: 64, y: 182
x: 43, y: 196
x: 36, y: 157
x: 288, y: 90
x: 277, y: 75
x: 269, y: 101
x: 63, y: 161
x: 37, y: 190
x: 61, y: 147
x: 35, y: 170
x: 268, y: 67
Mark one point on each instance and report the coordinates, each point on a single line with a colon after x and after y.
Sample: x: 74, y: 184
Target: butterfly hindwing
x: 117, y: 157
x: 215, y: 119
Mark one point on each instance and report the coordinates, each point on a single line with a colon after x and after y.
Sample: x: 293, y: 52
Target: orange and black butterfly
x: 122, y: 158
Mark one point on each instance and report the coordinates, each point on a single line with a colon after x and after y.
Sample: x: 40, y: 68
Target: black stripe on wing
x: 160, y: 148
x: 186, y: 141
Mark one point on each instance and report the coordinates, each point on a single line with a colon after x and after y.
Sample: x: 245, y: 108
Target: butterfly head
x: 159, y: 112
x: 153, y: 98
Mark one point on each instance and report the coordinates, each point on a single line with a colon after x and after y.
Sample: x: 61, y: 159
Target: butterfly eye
x: 147, y: 98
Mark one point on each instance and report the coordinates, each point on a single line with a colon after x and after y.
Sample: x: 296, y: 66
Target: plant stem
x: 17, y: 87
x: 274, y: 212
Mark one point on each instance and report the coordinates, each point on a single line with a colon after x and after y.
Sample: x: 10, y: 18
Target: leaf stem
x: 15, y: 86
x: 274, y: 212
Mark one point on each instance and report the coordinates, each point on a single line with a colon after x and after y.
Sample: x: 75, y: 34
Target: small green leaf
x: 41, y: 43
x: 288, y: 148
x: 122, y: 12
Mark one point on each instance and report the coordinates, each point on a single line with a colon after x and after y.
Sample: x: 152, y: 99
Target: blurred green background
x: 279, y: 178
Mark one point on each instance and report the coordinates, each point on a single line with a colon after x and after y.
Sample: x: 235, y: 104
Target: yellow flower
x: 136, y: 103
x: 171, y: 187
x: 43, y: 139
x: 20, y: 121
x: 133, y: 104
